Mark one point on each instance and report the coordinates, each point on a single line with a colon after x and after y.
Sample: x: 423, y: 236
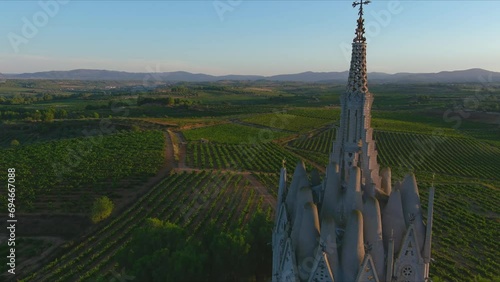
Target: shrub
x: 101, y: 209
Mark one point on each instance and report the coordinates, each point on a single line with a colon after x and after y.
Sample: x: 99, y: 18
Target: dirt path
x: 169, y: 165
x: 121, y: 206
x: 182, y: 149
x: 129, y: 195
x: 169, y: 152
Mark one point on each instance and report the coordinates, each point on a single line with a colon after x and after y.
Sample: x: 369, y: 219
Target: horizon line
x: 232, y: 74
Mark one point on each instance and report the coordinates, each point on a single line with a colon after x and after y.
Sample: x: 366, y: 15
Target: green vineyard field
x: 233, y: 134
x: 465, y: 232
x: 457, y: 156
x: 190, y: 200
x: 53, y: 174
x: 285, y: 121
x: 265, y: 157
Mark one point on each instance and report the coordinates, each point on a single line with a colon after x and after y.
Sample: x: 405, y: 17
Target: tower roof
x: 358, y: 81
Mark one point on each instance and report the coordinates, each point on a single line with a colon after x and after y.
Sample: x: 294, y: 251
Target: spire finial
x: 361, y: 3
x: 360, y: 31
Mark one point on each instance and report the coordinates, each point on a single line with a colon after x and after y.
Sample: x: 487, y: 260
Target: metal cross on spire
x: 360, y: 31
x: 361, y: 3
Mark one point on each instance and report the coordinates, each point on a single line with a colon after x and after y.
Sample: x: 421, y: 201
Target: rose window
x: 407, y: 271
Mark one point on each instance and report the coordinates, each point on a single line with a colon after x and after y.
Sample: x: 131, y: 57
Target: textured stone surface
x: 353, y: 250
x: 329, y: 244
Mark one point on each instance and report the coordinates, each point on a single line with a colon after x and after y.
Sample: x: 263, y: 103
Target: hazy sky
x: 246, y: 37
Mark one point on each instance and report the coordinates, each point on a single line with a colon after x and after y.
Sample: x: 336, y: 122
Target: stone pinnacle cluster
x: 354, y: 225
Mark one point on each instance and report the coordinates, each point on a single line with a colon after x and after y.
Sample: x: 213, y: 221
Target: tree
x: 48, y: 116
x: 37, y: 115
x: 101, y: 209
x: 258, y: 235
x: 15, y: 143
x: 62, y: 114
x: 171, y: 101
x: 229, y: 256
x: 160, y: 251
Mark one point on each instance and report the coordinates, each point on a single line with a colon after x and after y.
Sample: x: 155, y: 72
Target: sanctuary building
x: 354, y: 225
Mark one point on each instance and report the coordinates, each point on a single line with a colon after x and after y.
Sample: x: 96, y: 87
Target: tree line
x: 168, y: 101
x: 26, y: 99
x: 163, y: 251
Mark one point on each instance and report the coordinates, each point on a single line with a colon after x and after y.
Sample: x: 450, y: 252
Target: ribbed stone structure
x: 355, y: 225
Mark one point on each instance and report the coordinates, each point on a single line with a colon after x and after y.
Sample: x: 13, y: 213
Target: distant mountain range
x: 461, y: 76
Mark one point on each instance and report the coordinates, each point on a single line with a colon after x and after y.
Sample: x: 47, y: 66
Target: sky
x: 246, y: 36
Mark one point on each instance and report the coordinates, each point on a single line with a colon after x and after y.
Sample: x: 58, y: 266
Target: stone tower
x: 353, y: 226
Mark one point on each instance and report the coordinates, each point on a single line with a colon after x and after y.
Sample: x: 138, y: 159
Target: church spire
x: 354, y: 145
x: 363, y: 220
x: 357, y: 74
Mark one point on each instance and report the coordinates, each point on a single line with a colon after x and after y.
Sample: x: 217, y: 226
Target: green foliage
x: 288, y: 122
x: 403, y: 152
x: 229, y: 256
x: 161, y: 251
x: 438, y: 154
x: 258, y: 236
x: 101, y: 209
x: 233, y: 134
x: 322, y: 113
x: 14, y: 143
x: 56, y: 168
x: 204, y: 204
x: 414, y: 127
x: 163, y: 100
x: 135, y: 128
x: 170, y: 101
x: 48, y: 115
x: 479, y: 278
x: 265, y: 157
x: 180, y: 89
x: 36, y: 132
x: 321, y: 142
x: 466, y: 215
x: 465, y: 232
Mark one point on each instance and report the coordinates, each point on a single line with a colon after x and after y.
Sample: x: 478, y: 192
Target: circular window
x: 407, y: 271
